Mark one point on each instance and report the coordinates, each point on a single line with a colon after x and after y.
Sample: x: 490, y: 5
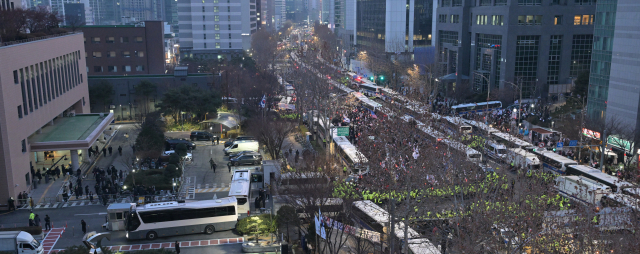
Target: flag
x: 263, y: 102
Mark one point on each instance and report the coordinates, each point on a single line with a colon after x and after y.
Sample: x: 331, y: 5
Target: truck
x: 522, y: 159
x: 19, y: 242
x: 583, y: 190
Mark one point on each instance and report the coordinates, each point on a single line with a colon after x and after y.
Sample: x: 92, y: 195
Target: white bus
x: 470, y: 154
x: 370, y: 89
x: 457, y: 125
x: 510, y: 141
x: 172, y: 218
x: 555, y: 163
x: 477, y: 108
x: 240, y: 188
x: 293, y: 182
x: 583, y: 190
x: 495, y: 150
x: 613, y: 182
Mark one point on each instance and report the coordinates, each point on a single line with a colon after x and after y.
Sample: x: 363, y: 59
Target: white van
x: 581, y: 189
x: 242, y: 145
x: 495, y: 150
x: 19, y: 242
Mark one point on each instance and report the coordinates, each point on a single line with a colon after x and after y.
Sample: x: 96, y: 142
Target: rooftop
x: 69, y: 128
x: 10, y: 43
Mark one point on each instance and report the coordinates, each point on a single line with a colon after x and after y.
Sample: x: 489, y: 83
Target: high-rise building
x: 614, y: 91
x: 537, y: 43
x: 393, y: 25
x: 45, y: 121
x: 171, y: 14
x: 74, y: 14
x: 133, y: 11
x: 295, y: 10
x: 125, y: 49
x: 215, y: 28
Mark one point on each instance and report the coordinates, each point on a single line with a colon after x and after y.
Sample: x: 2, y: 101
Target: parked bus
x: 172, y: 218
x: 613, y: 182
x: 370, y: 89
x: 495, y: 150
x: 509, y: 140
x: 457, y: 124
x: 240, y: 188
x: 477, y: 108
x: 555, y: 163
x: 293, y: 182
x: 585, y: 191
x: 349, y: 154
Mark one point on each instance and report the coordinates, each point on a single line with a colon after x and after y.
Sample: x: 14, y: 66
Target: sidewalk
x: 46, y: 194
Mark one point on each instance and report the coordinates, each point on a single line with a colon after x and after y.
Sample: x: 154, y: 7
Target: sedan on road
x: 250, y: 159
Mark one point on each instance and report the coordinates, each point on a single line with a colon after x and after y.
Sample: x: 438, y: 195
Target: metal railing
x: 9, y: 43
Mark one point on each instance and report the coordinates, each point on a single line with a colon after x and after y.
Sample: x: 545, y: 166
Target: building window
x: 217, y: 36
x: 486, y: 63
x: 126, y: 68
x: 126, y: 54
x: 229, y: 27
x: 215, y: 9
x: 526, y: 62
x: 216, y: 18
x: 24, y: 150
x: 204, y: 27
x: 216, y: 27
x: 97, y: 54
x: 530, y: 20
x: 111, y: 54
x: 140, y: 53
x: 497, y: 20
x: 229, y: 44
x: 481, y: 20
x: 140, y: 68
x: 586, y: 2
x: 139, y: 39
x: 95, y: 40
x: 455, y: 19
x: 529, y: 2
x: 217, y: 45
x: 457, y: 3
x: 501, y: 2
x: 124, y: 39
x: 229, y: 36
x: 582, y: 20
x: 97, y: 68
x: 112, y: 69
x: 205, y: 45
x: 580, y: 54
x: 555, y: 50
x: 485, y: 2
x: 557, y: 20
x: 110, y: 39
x: 15, y: 77
x: 19, y: 111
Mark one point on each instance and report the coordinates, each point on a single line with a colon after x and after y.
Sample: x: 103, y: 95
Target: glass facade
x: 447, y: 56
x: 526, y: 63
x: 371, y: 23
x: 555, y: 50
x: 580, y: 54
x: 423, y: 13
x: 603, y: 34
x: 486, y: 63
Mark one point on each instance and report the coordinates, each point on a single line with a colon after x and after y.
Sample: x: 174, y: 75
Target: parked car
x: 242, y: 145
x: 250, y: 159
x: 188, y: 157
x: 233, y: 155
x: 201, y: 135
x: 230, y: 141
x: 170, y: 144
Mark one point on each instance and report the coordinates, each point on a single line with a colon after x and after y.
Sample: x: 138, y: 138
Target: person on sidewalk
x: 47, y: 222
x: 218, y: 140
x: 11, y: 203
x: 78, y: 173
x: 20, y: 198
x: 91, y: 197
x: 104, y: 152
x: 86, y: 189
x: 344, y: 170
x: 211, y: 164
x: 297, y: 155
x: 177, y: 247
x: 120, y: 150
x: 37, y: 220
x: 229, y: 165
x: 31, y: 203
x: 110, y: 150
x: 84, y: 226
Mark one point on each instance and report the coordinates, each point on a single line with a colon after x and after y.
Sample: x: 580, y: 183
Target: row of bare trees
x: 18, y: 24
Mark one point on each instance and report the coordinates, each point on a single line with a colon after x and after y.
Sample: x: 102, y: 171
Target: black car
x: 170, y: 144
x: 201, y: 135
x: 230, y: 141
x: 233, y: 155
x: 251, y: 159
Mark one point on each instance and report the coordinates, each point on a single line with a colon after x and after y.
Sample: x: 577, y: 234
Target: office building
x: 133, y: 11
x: 393, y: 25
x: 44, y: 120
x: 614, y: 90
x: 125, y: 49
x: 541, y: 44
x: 216, y: 28
x: 10, y: 4
x: 75, y: 14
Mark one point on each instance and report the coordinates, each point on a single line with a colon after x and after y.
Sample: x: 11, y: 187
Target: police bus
x: 172, y: 218
x: 240, y: 188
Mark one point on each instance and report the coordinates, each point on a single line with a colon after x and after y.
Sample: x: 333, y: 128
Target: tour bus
x: 613, y: 182
x: 585, y: 191
x: 509, y: 140
x: 173, y: 218
x: 370, y: 89
x: 477, y: 108
x: 240, y: 188
x: 292, y: 182
x: 457, y: 124
x: 495, y: 150
x: 555, y: 163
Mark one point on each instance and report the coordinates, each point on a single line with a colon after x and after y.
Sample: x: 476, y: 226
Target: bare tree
x: 75, y: 21
x: 271, y: 132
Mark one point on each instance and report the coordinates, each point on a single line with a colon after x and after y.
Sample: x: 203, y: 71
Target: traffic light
x: 381, y: 77
x: 371, y: 78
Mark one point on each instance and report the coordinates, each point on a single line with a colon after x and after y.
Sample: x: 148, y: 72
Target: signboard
x: 343, y: 131
x: 560, y: 144
x: 541, y: 144
x: 573, y: 143
x: 590, y: 133
x: 320, y: 226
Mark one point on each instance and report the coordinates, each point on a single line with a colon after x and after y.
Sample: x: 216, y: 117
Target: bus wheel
x: 152, y: 235
x: 209, y: 230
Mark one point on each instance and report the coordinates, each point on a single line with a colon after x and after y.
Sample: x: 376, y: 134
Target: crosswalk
x: 212, y: 190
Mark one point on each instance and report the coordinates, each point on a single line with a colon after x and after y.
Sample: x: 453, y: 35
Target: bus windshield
x: 133, y: 222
